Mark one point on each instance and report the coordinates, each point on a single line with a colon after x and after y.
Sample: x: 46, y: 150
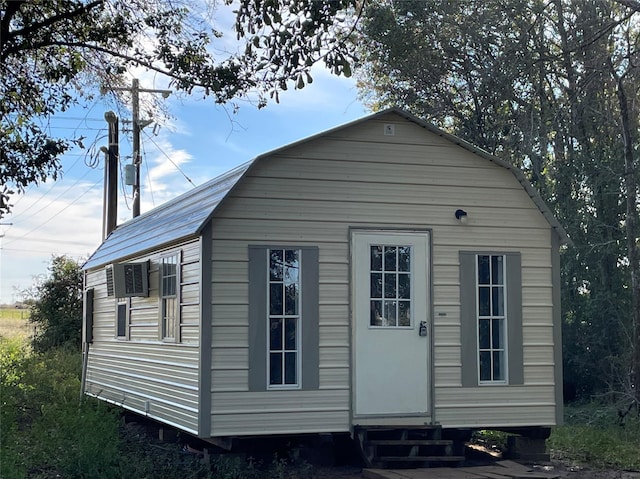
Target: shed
x: 380, y: 276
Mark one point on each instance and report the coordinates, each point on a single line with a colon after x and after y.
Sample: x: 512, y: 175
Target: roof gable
x: 186, y: 215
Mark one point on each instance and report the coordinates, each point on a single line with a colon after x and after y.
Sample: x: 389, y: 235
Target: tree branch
x: 34, y: 27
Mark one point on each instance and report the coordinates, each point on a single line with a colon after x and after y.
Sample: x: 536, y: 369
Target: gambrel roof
x: 185, y: 216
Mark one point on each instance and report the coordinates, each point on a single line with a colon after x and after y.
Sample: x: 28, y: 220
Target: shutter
x: 514, y: 318
x: 468, y: 336
x: 109, y: 276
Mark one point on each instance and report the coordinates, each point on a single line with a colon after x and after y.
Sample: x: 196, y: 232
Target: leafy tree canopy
x: 54, y: 52
x: 56, y: 306
x: 554, y: 88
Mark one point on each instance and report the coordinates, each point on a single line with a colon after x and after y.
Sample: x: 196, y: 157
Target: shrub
x: 56, y: 308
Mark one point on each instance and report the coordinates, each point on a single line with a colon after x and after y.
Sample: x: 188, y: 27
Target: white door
x: 391, y: 324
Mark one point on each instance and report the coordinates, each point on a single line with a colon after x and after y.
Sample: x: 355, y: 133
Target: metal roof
x: 186, y: 215
x: 182, y: 217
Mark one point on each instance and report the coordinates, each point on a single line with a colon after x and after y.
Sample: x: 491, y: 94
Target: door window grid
x: 390, y: 290
x: 284, y: 296
x: 169, y: 296
x: 491, y: 314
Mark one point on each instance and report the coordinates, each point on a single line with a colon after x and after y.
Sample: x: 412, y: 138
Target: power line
x: 172, y: 162
x: 59, y: 212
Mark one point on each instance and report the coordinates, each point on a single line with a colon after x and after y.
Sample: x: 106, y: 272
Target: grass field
x: 14, y: 323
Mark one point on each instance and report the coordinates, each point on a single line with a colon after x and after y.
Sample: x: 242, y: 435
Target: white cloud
x: 48, y: 222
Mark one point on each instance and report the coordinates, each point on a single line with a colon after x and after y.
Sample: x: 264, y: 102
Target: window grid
x: 284, y: 318
x: 169, y: 296
x: 491, y: 314
x: 390, y: 291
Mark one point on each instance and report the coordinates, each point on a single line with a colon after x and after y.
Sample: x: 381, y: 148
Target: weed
x: 592, y: 435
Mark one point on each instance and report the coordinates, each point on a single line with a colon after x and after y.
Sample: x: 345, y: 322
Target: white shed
x: 380, y: 276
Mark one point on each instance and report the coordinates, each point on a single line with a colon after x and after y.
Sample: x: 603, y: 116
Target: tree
x: 553, y: 87
x: 55, y: 52
x: 56, y: 306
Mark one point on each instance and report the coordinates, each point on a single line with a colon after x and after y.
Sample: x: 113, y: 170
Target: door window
x: 390, y: 290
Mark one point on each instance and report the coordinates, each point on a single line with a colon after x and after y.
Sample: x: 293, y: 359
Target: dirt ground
x: 563, y: 468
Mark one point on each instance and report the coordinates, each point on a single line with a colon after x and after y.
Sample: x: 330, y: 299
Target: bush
x: 56, y: 307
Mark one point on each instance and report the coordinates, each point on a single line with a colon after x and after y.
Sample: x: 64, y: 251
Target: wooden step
x: 409, y: 442
x: 420, y: 458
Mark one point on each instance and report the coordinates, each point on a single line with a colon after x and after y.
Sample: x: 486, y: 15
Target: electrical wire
x: 56, y: 214
x: 146, y: 165
x: 170, y: 160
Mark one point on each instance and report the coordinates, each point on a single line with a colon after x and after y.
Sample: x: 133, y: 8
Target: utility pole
x: 137, y: 126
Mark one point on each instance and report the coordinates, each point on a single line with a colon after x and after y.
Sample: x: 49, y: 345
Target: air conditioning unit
x: 128, y: 279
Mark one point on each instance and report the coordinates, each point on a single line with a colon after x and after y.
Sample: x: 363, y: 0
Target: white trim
x: 284, y: 317
x: 491, y: 317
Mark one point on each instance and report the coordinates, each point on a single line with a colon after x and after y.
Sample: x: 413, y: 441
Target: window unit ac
x: 128, y: 279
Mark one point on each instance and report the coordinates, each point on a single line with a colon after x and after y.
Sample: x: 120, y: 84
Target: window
x: 491, y: 318
x: 284, y: 350
x: 491, y: 314
x: 284, y: 317
x: 169, y: 282
x: 123, y: 311
x: 390, y: 279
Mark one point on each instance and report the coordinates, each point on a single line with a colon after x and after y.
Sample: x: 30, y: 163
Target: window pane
x: 376, y: 285
x: 483, y: 269
x: 390, y: 258
x: 390, y: 285
x: 404, y: 286
x: 275, y: 299
x: 404, y: 258
x: 376, y: 313
x: 121, y: 329
x: 484, y: 301
x: 376, y: 258
x: 497, y: 269
x: 484, y: 335
x: 485, y: 366
x: 290, y: 334
x: 276, y: 261
x: 498, y: 300
x: 275, y: 334
x: 291, y: 300
x: 404, y: 313
x: 292, y: 266
x: 497, y: 336
x: 275, y: 368
x: 290, y: 368
x: 390, y: 313
x: 498, y: 370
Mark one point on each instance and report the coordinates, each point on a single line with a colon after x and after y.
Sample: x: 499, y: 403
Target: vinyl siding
x: 143, y: 373
x: 312, y: 194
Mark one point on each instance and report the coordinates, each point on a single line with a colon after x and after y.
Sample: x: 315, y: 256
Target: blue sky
x: 202, y: 141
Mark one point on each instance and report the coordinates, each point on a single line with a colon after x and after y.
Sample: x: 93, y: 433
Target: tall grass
x: 46, y: 432
x: 594, y: 435
x: 14, y: 323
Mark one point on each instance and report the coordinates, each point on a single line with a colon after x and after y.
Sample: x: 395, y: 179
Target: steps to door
x: 390, y: 446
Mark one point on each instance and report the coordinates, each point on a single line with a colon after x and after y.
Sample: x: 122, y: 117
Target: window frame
x: 125, y: 305
x: 162, y: 297
x: 297, y: 316
x: 491, y: 318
